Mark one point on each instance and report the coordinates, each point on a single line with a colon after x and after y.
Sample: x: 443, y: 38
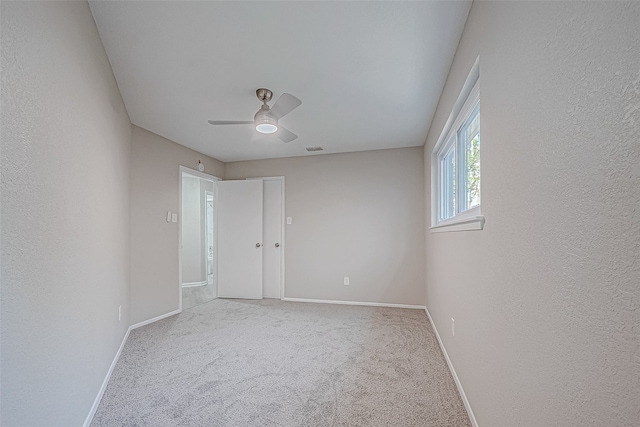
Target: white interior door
x: 240, y: 220
x: 272, y: 235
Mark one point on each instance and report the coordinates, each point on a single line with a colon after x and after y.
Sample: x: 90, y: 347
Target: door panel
x: 272, y: 233
x: 239, y: 230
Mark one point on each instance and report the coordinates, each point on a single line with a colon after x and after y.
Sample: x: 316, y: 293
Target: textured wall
x: 356, y: 214
x: 65, y: 213
x: 546, y: 297
x: 155, y: 172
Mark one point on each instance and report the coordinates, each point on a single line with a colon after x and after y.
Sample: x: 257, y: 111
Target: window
x: 456, y: 163
x: 459, y: 166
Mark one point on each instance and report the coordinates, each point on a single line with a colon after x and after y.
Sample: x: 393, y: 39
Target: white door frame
x: 208, y: 193
x: 214, y: 179
x: 282, y: 245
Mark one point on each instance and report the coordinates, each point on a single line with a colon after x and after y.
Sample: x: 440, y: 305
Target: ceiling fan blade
x: 284, y: 105
x: 286, y: 135
x: 227, y: 122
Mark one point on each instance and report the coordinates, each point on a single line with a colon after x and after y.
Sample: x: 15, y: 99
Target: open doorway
x: 197, y: 238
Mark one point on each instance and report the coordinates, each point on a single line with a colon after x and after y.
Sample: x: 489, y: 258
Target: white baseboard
x: 155, y: 319
x: 371, y: 304
x: 463, y: 396
x: 96, y: 402
x: 192, y: 284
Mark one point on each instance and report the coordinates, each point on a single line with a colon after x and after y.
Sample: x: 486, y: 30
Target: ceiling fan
x: 266, y: 119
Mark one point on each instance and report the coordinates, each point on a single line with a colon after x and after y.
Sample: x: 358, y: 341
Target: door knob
x: 277, y: 245
x: 258, y: 245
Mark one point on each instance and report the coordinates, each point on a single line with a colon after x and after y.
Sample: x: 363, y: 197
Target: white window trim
x: 471, y: 219
x: 459, y: 224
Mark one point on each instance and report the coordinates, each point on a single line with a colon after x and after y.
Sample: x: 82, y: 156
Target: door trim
x: 213, y: 237
x: 282, y: 233
x: 212, y: 178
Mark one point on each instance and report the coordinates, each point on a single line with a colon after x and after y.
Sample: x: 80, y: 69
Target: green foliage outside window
x: 473, y: 172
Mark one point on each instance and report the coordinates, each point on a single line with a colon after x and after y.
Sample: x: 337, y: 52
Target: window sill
x: 467, y: 224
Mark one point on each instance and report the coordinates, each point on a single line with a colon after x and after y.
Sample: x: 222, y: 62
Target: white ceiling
x: 369, y: 74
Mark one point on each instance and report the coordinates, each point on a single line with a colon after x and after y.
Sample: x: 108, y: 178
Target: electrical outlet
x: 346, y: 281
x: 120, y: 313
x: 453, y: 327
x: 174, y: 217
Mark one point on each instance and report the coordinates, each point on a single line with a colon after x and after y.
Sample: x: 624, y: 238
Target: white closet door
x: 240, y: 249
x: 272, y: 238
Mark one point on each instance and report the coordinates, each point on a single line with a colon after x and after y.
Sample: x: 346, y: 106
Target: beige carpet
x: 272, y: 363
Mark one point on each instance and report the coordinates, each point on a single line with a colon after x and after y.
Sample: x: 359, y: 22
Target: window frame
x: 464, y: 110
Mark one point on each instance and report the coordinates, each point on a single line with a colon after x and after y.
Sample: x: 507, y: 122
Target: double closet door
x: 250, y: 238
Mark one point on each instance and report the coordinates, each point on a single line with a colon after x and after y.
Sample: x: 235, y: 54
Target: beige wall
x: 66, y: 145
x: 155, y: 163
x: 356, y: 214
x: 546, y: 297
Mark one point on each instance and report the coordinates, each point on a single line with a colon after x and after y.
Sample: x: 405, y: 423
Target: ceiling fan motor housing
x: 263, y: 122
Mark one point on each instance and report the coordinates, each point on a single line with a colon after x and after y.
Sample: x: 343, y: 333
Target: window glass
x: 448, y: 202
x: 470, y: 161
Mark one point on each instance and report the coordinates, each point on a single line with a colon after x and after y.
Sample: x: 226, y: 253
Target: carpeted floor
x: 271, y: 363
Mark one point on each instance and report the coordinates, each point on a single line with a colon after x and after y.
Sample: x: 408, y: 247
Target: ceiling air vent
x: 318, y: 148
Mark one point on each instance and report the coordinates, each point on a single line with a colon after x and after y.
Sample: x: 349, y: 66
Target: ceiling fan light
x: 266, y: 125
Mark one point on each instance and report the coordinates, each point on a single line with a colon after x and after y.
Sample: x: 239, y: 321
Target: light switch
x: 288, y: 220
x: 169, y: 216
x: 174, y: 217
